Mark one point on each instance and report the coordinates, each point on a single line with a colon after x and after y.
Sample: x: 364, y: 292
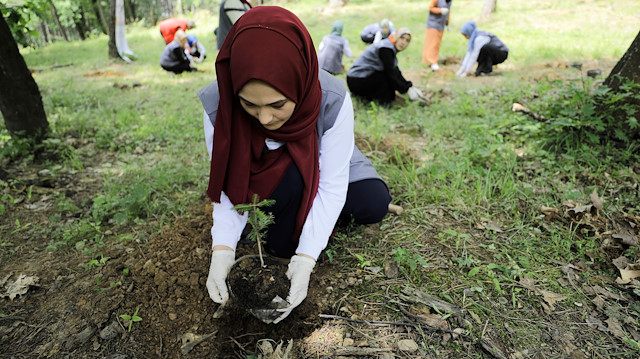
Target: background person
x: 230, y: 12
x: 484, y: 48
x: 376, y: 32
x: 375, y: 75
x: 332, y: 48
x: 169, y: 27
x: 436, y: 21
x: 278, y: 126
x: 173, y: 58
x: 195, y: 50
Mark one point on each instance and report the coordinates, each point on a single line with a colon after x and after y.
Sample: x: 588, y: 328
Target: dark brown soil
x: 252, y: 286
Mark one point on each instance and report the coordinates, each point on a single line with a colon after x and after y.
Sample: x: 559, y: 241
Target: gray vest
x: 167, y: 58
x: 333, y: 94
x: 224, y: 23
x: 370, y: 62
x: 494, y: 41
x: 330, y: 57
x: 438, y: 21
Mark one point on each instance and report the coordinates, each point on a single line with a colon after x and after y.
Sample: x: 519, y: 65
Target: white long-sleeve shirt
x: 471, y: 57
x: 335, y: 153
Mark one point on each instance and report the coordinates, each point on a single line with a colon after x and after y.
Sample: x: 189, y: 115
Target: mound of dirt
x: 78, y: 312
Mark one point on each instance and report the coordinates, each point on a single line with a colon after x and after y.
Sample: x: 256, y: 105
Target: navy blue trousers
x: 367, y: 202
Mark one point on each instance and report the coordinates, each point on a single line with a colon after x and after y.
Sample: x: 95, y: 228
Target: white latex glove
x: 444, y: 11
x: 414, y: 94
x: 299, y: 273
x: 221, y: 262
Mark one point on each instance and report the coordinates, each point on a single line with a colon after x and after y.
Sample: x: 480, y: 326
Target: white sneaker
x: 435, y: 67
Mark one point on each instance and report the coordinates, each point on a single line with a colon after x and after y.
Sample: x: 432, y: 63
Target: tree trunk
x: 628, y: 68
x: 152, y: 12
x: 97, y: 4
x: 80, y: 23
x: 179, y: 6
x: 45, y: 32
x: 130, y: 10
x: 488, y: 8
x: 20, y: 100
x: 113, y: 50
x: 57, y: 19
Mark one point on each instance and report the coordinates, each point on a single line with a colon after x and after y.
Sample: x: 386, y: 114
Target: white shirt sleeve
x: 377, y: 37
x: 346, y: 48
x: 471, y: 57
x: 336, y: 149
x: 228, y: 224
x: 208, y: 133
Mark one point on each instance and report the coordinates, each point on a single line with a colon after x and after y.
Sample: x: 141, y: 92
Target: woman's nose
x: 264, y: 117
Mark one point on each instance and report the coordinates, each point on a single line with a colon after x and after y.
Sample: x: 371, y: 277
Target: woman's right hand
x: 221, y: 262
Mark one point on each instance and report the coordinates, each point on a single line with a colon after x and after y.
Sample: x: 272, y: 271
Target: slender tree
x: 97, y: 5
x: 56, y: 17
x: 20, y: 100
x: 488, y: 8
x: 113, y: 50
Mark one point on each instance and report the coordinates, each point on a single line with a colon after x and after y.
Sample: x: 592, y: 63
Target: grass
x: 456, y: 166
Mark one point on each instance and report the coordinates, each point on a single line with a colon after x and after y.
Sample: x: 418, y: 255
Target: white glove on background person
x: 299, y: 273
x: 444, y: 11
x: 414, y: 94
x: 221, y: 262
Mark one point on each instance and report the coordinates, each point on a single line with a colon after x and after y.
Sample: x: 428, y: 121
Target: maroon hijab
x: 270, y: 44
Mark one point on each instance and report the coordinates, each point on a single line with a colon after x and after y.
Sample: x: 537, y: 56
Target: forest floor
x: 60, y: 304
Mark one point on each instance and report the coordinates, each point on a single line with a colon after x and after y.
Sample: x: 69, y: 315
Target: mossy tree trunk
x: 628, y: 68
x: 20, y: 100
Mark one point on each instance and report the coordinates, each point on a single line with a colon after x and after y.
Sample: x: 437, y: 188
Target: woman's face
x: 266, y: 104
x: 466, y: 36
x: 402, y: 42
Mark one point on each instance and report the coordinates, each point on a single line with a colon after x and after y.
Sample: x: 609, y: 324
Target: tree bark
x: 20, y: 100
x: 97, y: 4
x: 57, y: 18
x: 44, y: 31
x: 80, y: 24
x: 130, y: 10
x: 179, y: 6
x: 628, y: 68
x: 152, y: 12
x: 113, y: 50
x: 488, y: 8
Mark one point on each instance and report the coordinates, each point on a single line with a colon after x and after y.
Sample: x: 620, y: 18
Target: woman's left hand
x: 299, y: 273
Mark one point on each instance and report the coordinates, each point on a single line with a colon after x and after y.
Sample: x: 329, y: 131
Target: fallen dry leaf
x: 551, y: 298
x: 627, y: 238
x: 20, y: 286
x: 615, y: 328
x: 596, y: 200
x: 627, y: 275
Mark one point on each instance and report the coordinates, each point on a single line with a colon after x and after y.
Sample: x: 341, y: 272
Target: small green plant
x: 362, y: 262
x: 258, y: 220
x: 131, y: 318
x: 411, y: 261
x: 98, y: 261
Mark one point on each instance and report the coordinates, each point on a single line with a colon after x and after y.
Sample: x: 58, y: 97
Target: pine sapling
x: 258, y: 220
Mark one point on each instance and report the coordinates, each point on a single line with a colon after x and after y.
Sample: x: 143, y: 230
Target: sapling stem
x: 258, y: 219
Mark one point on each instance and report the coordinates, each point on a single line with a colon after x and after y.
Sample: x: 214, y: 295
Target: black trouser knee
x: 288, y: 196
x: 489, y: 55
x: 367, y: 201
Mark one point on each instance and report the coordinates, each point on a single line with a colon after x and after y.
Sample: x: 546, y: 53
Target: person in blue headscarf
x: 484, y: 48
x: 332, y: 48
x: 195, y: 50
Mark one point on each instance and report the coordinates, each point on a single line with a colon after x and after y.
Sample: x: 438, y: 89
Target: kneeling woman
x: 375, y: 75
x: 279, y: 127
x: 484, y: 47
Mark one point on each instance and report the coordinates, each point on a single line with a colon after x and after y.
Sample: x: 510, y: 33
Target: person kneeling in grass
x: 484, y: 47
x: 173, y: 58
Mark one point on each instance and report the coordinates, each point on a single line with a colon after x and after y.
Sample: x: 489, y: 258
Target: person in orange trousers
x: 436, y: 21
